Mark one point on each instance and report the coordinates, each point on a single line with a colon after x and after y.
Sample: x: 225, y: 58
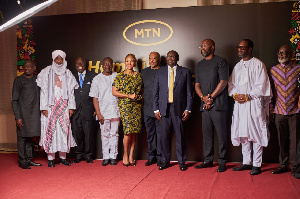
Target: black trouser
x: 84, y: 134
x: 167, y: 122
x: 288, y: 136
x: 214, y: 120
x: 24, y: 149
x: 153, y: 128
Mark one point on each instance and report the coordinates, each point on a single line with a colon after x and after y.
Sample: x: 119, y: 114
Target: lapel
x: 165, y: 78
x: 86, y: 79
x: 178, y: 75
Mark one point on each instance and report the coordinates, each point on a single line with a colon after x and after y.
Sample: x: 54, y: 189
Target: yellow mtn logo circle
x: 148, y: 33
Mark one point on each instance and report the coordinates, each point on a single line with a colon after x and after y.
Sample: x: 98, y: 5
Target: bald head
x: 154, y: 60
x: 208, y: 48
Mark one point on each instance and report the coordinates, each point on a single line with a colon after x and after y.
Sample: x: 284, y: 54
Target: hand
x: 207, y: 106
x: 158, y: 116
x: 101, y: 119
x: 19, y: 123
x: 45, y: 113
x: 241, y: 98
x: 132, y: 96
x: 207, y: 100
x: 71, y: 111
x: 185, y: 115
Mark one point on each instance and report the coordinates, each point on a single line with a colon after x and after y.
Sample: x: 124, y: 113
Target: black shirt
x: 208, y: 74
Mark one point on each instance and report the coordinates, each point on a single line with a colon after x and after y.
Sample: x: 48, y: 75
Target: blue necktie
x: 81, y: 80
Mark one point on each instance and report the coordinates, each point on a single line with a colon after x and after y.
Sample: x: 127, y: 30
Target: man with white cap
x: 57, y: 104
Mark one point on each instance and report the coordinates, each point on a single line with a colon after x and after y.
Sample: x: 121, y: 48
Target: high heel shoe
x: 132, y: 164
x: 126, y: 165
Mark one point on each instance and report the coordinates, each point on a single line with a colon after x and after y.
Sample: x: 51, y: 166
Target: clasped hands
x: 208, y: 102
x: 240, y: 98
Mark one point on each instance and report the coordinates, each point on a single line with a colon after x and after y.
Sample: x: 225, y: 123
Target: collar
x: 84, y: 72
x: 289, y: 65
x: 175, y: 67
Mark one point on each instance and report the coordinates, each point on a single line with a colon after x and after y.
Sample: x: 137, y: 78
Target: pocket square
x: 88, y: 83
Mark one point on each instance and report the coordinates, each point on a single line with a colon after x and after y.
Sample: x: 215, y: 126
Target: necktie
x: 171, y: 86
x: 81, y: 80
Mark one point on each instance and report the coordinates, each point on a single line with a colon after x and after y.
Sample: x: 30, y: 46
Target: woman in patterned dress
x: 127, y: 87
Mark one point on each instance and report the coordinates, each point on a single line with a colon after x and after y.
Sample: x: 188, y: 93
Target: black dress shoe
x: 280, y: 170
x: 158, y: 162
x: 105, y: 162
x: 51, y: 163
x: 243, y: 167
x: 255, y: 171
x: 65, y: 162
x: 164, y: 166
x: 221, y: 168
x: 89, y: 160
x: 113, y: 162
x: 293, y: 172
x: 24, y: 166
x: 150, y: 162
x: 183, y: 167
x: 31, y: 163
x: 204, y: 165
x: 77, y: 160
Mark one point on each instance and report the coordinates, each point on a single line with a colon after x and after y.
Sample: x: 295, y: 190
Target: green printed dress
x: 130, y: 110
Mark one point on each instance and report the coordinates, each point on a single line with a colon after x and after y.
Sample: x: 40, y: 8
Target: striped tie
x: 171, y: 86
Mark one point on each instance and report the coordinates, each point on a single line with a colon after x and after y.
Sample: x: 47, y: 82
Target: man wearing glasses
x: 286, y: 112
x: 212, y: 74
x: 250, y: 88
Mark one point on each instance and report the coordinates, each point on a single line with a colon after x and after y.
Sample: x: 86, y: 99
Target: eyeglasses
x: 242, y: 47
x: 171, y: 56
x: 282, y: 53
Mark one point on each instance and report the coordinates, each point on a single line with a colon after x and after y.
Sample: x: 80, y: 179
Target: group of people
x: 61, y: 106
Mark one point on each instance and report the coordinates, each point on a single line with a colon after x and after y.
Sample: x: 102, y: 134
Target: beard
x: 282, y: 61
x: 206, y: 53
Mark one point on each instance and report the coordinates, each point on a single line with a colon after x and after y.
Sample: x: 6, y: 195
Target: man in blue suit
x: 172, y: 104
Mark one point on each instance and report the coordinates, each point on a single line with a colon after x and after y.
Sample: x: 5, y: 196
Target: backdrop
x: 115, y: 34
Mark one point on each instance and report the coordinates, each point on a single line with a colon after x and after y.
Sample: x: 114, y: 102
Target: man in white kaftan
x: 107, y: 110
x: 57, y: 103
x: 249, y: 85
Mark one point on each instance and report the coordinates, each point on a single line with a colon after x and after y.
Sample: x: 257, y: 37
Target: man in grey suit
x: 83, y: 122
x: 172, y: 104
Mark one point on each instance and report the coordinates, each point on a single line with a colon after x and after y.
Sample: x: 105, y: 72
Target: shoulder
x: 145, y: 70
x: 184, y: 69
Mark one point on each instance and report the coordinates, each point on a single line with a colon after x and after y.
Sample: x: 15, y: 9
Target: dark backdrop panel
x: 95, y: 36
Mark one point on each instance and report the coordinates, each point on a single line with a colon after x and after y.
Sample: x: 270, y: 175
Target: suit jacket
x: 84, y: 103
x: 182, y: 93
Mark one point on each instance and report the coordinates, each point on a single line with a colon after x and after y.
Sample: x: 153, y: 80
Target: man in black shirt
x: 26, y: 107
x: 151, y: 123
x: 212, y: 74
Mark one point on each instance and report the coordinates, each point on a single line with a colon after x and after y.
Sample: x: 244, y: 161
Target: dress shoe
x: 164, y: 166
x: 243, y: 167
x: 158, y: 162
x: 293, y: 172
x: 204, y: 165
x: 89, y: 160
x: 221, y: 168
x: 183, y: 167
x: 280, y: 170
x: 65, y: 162
x: 126, y: 165
x: 105, y: 162
x: 113, y: 162
x: 24, y: 166
x: 51, y: 163
x: 150, y: 162
x: 255, y: 171
x: 77, y: 160
x: 31, y: 163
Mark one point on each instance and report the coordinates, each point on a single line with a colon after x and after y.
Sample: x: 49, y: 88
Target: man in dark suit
x: 172, y: 104
x: 82, y: 120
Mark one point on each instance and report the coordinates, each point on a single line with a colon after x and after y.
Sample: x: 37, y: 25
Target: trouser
x: 246, y: 151
x: 297, y: 173
x: 24, y: 149
x: 62, y: 155
x: 167, y: 122
x: 84, y: 134
x: 109, y: 137
x: 153, y: 127
x: 288, y: 135
x: 214, y: 120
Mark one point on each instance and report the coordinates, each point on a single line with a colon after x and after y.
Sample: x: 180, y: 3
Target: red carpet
x: 95, y: 181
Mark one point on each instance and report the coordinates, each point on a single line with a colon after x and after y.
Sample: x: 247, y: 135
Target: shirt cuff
x: 156, y: 111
